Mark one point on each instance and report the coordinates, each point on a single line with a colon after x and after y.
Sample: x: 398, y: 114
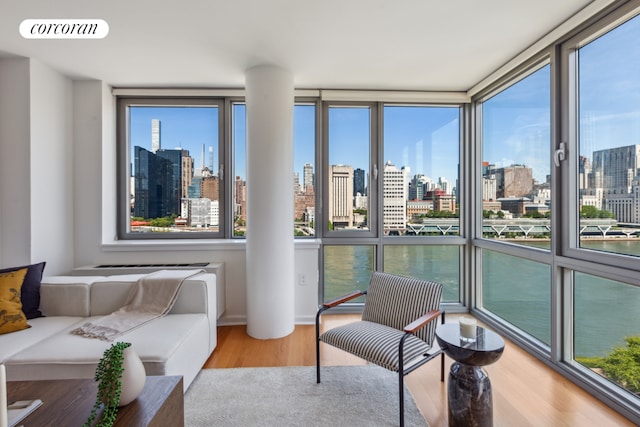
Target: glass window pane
x: 304, y: 182
x: 523, y: 300
x: 239, y: 167
x: 607, y: 329
x: 346, y: 269
x: 516, y: 192
x: 348, y: 173
x: 437, y: 263
x: 174, y: 183
x: 422, y: 156
x: 609, y: 140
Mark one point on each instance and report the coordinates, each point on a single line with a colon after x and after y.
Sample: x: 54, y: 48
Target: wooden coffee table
x: 69, y: 402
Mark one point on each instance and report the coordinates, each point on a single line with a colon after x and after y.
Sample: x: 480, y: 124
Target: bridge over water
x: 524, y: 227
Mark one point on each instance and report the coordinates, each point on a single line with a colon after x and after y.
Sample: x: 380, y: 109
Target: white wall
x: 51, y: 169
x: 87, y: 166
x: 15, y: 179
x: 35, y: 167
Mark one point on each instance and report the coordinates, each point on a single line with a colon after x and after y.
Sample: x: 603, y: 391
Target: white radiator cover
x: 111, y: 269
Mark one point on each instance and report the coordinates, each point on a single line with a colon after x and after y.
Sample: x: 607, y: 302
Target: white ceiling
x: 328, y: 44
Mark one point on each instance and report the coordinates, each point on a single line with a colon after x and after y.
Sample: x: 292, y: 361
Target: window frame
x: 317, y: 105
x: 570, y: 133
x: 376, y: 238
x: 374, y: 177
x: 481, y: 243
x: 123, y: 168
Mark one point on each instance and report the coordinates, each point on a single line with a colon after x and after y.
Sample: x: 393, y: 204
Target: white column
x: 270, y: 249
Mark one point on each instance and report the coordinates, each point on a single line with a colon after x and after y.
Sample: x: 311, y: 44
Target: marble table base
x: 470, y: 397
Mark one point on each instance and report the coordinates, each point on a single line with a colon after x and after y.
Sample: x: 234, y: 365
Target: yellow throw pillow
x: 11, y: 316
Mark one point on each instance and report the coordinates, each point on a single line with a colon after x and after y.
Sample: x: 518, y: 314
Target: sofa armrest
x: 199, y: 295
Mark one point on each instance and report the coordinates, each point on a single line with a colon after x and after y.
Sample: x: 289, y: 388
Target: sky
x: 516, y: 121
x: 424, y: 138
x: 181, y: 127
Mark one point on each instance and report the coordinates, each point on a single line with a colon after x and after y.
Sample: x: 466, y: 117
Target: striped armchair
x: 397, y: 329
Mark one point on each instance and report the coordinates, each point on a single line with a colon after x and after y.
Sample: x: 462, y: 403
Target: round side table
x: 469, y: 389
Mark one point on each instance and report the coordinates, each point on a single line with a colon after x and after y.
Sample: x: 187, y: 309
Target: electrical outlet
x: 302, y: 279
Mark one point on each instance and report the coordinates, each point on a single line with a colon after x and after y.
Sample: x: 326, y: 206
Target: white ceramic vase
x: 133, y: 376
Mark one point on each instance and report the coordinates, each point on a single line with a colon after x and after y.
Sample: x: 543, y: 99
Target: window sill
x: 170, y: 245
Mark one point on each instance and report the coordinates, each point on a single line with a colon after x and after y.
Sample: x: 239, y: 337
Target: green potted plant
x: 109, y: 374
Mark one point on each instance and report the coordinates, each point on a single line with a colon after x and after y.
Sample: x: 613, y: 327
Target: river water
x: 605, y: 312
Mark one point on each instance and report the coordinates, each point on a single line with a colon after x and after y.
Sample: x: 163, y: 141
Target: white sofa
x: 176, y: 344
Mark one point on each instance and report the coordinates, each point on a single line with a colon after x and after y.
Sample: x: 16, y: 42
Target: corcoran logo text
x: 64, y: 29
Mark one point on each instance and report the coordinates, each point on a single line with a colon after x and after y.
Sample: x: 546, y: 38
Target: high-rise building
x: 359, y: 183
x: 615, y: 168
x: 613, y: 182
x: 417, y: 187
x: 489, y: 187
x: 155, y: 135
x: 187, y: 173
x: 341, y: 196
x: 302, y: 202
x: 195, y: 187
x: 394, y: 202
x: 296, y: 183
x: 444, y: 185
x: 240, y: 208
x: 512, y: 181
x: 156, y: 187
x: 174, y: 179
x: 210, y: 188
x: 307, y: 179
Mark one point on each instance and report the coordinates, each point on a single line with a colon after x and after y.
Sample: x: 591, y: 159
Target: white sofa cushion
x: 66, y: 295
x: 41, y: 328
x: 167, y: 346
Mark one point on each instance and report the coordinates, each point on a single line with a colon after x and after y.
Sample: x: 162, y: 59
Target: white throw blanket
x: 151, y: 297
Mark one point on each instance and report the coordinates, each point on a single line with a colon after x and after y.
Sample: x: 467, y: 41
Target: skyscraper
x: 394, y: 198
x: 173, y: 180
x: 307, y: 179
x: 156, y: 188
x: 341, y: 196
x: 155, y: 135
x: 187, y: 173
x: 358, y: 182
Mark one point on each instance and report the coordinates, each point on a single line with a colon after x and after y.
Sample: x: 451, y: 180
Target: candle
x: 3, y: 397
x: 468, y: 328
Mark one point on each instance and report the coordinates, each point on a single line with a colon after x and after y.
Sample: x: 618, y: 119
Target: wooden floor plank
x: 525, y: 391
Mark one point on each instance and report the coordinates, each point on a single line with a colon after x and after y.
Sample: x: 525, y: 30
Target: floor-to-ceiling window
x: 391, y: 191
x: 514, y: 202
x: 304, y: 162
x: 601, y: 250
x: 557, y: 206
x: 350, y: 197
x: 421, y: 185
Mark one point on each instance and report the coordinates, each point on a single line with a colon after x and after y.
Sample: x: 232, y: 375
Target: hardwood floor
x: 525, y: 391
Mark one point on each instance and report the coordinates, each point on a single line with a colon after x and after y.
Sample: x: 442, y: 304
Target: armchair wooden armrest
x: 422, y: 321
x: 343, y: 298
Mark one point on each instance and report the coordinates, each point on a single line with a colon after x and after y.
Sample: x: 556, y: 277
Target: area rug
x: 351, y: 396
